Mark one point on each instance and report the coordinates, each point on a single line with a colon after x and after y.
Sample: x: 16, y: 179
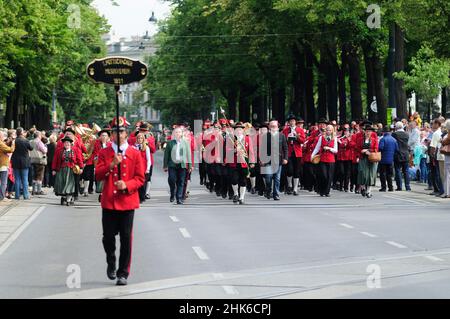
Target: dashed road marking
x: 174, y: 219
x: 347, y: 226
x: 433, y: 258
x: 368, y: 234
x: 185, y: 233
x: 393, y: 243
x: 230, y: 290
x: 200, y: 253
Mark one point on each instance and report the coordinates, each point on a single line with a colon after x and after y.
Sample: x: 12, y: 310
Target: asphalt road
x: 300, y: 247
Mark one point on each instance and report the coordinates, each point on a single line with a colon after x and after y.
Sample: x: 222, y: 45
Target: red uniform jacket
x: 344, y: 149
x: 59, y: 162
x: 308, y: 148
x: 133, y: 174
x: 249, y: 150
x: 296, y: 145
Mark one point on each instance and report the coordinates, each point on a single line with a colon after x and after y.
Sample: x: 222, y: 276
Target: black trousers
x: 239, y: 176
x: 118, y: 223
x: 326, y: 177
x: 386, y: 172
x: 354, y: 175
x: 202, y: 172
x: 143, y: 189
x: 177, y: 176
x: 88, y: 175
x: 294, y: 167
x: 77, y: 185
x: 309, y: 176
x: 344, y: 171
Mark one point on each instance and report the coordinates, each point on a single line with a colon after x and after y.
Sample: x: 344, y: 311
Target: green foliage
x: 428, y: 74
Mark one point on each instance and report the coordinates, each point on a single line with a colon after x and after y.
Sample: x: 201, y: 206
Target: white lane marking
x: 218, y: 276
x: 230, y: 290
x: 200, y: 253
x: 184, y: 232
x: 433, y: 258
x: 368, y: 234
x: 347, y: 226
x: 393, y: 243
x: 414, y: 201
x: 19, y: 230
x: 174, y: 219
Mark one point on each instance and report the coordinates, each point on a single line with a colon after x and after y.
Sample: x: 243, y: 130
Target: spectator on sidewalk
x: 21, y: 164
x: 5, y: 152
x: 51, y: 147
x: 414, y: 136
x: 38, y: 159
x: 438, y: 189
x: 388, y: 147
x: 446, y: 142
x: 401, y: 157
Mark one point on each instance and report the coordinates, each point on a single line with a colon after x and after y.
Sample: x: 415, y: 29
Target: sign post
x: 117, y: 71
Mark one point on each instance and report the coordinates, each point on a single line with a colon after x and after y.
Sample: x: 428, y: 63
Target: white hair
x: 447, y: 124
x: 398, y: 125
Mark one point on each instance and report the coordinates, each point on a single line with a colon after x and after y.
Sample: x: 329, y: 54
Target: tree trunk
x: 309, y: 85
x: 444, y: 102
x: 379, y: 89
x: 354, y: 71
x: 342, y: 87
x: 278, y: 101
x: 258, y: 109
x: 370, y: 85
x: 298, y: 85
x: 400, y: 93
x: 332, y: 80
x: 322, y: 84
x: 231, y: 97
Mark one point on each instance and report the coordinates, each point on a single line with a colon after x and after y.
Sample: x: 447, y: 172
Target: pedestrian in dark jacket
x: 401, y: 157
x: 20, y: 162
x: 388, y: 147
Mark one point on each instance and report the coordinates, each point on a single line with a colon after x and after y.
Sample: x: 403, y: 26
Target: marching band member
x: 344, y: 160
x: 241, y: 163
x: 296, y: 137
x: 120, y: 198
x: 67, y: 161
x: 144, y: 151
x: 327, y: 147
x: 101, y: 143
x: 308, y: 168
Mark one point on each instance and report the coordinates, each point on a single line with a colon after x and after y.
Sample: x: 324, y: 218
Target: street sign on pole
x: 116, y: 71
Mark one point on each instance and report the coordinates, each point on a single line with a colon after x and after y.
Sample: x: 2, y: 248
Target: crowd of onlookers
x: 421, y: 155
x: 25, y: 160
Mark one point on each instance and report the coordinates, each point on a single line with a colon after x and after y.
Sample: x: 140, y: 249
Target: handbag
x: 445, y: 150
x: 375, y: 157
x: 37, y: 157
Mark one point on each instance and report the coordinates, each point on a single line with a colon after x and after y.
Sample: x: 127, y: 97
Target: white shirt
x: 436, y: 143
x: 319, y: 145
x: 177, y: 152
x: 123, y: 147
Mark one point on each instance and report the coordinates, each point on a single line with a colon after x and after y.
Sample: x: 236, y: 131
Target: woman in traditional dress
x: 63, y: 166
x: 367, y: 171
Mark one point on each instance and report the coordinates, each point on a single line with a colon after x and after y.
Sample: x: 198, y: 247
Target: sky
x: 130, y: 18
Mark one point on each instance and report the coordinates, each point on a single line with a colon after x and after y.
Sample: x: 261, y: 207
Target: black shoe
x: 224, y: 196
x: 289, y: 192
x: 253, y: 191
x: 327, y: 195
x: 276, y: 198
x: 369, y: 195
x: 147, y: 196
x: 241, y: 202
x: 268, y: 196
x: 111, y: 272
x: 121, y: 281
x: 172, y: 199
x: 363, y: 192
x: 235, y: 199
x: 398, y: 189
x: 391, y: 189
x: 230, y: 197
x: 180, y: 202
x: 295, y: 193
x: 382, y: 190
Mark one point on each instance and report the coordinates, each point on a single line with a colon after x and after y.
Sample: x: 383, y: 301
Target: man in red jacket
x: 296, y: 137
x: 120, y: 198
